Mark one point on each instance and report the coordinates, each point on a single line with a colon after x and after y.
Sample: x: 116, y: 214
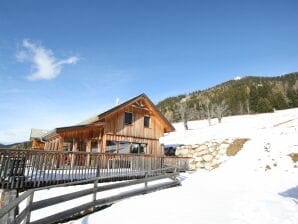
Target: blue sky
x: 63, y: 61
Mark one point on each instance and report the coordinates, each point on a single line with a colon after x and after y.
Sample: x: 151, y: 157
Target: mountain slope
x: 240, y: 96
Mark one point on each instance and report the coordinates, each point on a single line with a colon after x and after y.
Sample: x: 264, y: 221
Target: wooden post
x: 60, y: 143
x: 29, y: 205
x: 117, y: 146
x: 98, y: 144
x: 103, y: 143
x: 52, y: 145
x: 6, y: 197
x: 94, y: 193
x: 88, y: 149
x: 74, y: 149
x: 146, y: 182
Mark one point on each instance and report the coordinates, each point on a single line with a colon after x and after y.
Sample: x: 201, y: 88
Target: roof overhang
x: 76, y: 131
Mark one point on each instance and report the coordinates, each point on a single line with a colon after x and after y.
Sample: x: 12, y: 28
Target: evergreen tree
x: 264, y: 105
x: 293, y: 98
x: 279, y: 102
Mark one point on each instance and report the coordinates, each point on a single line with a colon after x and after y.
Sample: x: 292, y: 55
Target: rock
x: 202, y: 147
x: 207, y: 158
x: 203, y: 152
x: 218, y: 156
x: 210, y: 144
x: 208, y: 167
x: 192, y: 166
x: 200, y: 165
x: 198, y: 158
x: 214, y: 163
x: 223, y: 148
x: 183, y: 151
x: 214, y: 153
x: 191, y: 160
x: 211, y: 149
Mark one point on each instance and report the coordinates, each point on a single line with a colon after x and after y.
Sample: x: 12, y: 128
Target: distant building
x: 36, y: 138
x: 134, y: 126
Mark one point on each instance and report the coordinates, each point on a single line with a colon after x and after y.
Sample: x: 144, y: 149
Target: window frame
x: 141, y: 148
x: 127, y: 112
x: 149, y: 121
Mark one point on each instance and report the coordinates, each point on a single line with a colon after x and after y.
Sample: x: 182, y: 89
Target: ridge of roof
x: 96, y: 117
x: 93, y: 119
x: 111, y: 110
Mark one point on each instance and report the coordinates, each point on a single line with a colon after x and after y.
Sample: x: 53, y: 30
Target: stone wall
x: 207, y: 155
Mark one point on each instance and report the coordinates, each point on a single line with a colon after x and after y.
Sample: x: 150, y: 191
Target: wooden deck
x: 25, y: 169
x: 86, y: 205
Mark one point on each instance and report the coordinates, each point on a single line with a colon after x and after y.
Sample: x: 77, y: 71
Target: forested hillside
x: 19, y: 145
x: 242, y: 96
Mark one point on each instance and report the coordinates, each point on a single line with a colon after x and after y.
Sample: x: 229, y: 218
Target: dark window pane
x: 138, y: 148
x: 142, y: 148
x: 111, y: 147
x: 146, y: 122
x: 128, y: 118
x: 94, y: 146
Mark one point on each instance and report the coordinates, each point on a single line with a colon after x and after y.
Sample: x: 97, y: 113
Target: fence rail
x: 25, y: 169
x: 87, y: 207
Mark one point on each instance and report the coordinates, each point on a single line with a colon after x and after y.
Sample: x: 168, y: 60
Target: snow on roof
x: 37, y: 133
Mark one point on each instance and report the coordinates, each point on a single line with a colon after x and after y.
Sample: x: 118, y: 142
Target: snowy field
x: 258, y: 185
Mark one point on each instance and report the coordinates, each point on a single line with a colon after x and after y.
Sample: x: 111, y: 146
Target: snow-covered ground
x: 259, y: 185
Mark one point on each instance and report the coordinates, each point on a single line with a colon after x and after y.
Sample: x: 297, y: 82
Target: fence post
x: 6, y: 197
x: 146, y: 182
x: 29, y: 205
x: 94, y: 194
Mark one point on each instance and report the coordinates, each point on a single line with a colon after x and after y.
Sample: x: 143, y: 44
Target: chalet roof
x: 37, y: 133
x: 95, y: 119
x: 128, y: 102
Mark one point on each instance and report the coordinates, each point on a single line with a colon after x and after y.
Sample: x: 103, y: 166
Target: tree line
x: 248, y: 95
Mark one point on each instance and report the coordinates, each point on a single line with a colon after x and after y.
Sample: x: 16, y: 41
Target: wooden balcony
x: 25, y: 169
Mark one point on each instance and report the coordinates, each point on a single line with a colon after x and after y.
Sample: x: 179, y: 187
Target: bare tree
x: 207, y: 107
x: 183, y: 111
x: 241, y: 107
x: 220, y: 109
x: 169, y: 115
x: 247, y: 106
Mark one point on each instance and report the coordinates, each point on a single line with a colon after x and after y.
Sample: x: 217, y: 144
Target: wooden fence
x: 86, y: 207
x: 25, y: 169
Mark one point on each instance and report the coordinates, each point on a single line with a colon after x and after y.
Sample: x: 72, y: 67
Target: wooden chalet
x: 134, y: 126
x: 36, y: 138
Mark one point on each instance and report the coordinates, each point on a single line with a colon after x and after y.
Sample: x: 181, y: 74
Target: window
x: 128, y: 118
x: 138, y: 148
x: 146, y: 121
x: 94, y: 146
x: 111, y: 147
x: 124, y: 147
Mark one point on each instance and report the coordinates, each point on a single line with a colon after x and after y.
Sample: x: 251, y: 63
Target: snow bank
x: 258, y: 185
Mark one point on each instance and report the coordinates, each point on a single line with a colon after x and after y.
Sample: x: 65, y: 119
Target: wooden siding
x: 115, y: 124
x: 37, y: 144
x: 110, y: 126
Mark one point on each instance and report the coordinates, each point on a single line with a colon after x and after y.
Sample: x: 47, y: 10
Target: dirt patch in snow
x: 236, y: 146
x: 294, y: 157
